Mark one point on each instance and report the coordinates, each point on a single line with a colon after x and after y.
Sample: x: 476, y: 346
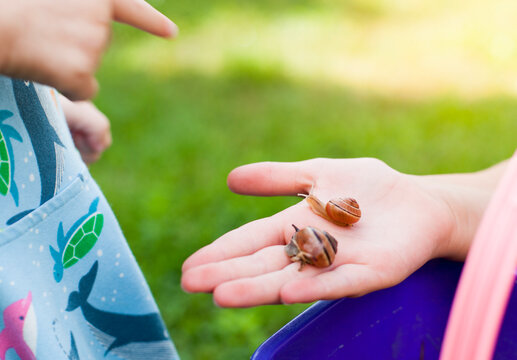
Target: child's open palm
x: 406, y: 221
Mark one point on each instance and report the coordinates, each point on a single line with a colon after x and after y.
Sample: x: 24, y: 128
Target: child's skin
x: 60, y: 43
x: 407, y: 220
x: 89, y: 127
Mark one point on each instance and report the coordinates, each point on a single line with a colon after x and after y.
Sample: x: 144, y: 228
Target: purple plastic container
x: 406, y: 321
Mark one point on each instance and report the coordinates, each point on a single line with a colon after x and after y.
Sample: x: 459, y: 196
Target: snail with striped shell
x: 340, y: 211
x: 312, y: 246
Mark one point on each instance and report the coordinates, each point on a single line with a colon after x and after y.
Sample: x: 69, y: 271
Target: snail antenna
x: 306, y: 195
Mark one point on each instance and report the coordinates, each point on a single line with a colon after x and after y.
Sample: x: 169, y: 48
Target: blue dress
x: 70, y: 287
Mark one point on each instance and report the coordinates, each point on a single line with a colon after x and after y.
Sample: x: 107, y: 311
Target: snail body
x: 312, y: 246
x: 340, y: 211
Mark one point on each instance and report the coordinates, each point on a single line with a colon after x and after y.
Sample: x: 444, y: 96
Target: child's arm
x: 90, y: 128
x: 407, y: 220
x: 60, y: 42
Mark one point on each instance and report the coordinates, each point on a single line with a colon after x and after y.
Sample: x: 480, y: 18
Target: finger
x: 346, y: 280
x: 259, y: 290
x: 90, y: 128
x: 247, y: 239
x: 271, y: 178
x: 84, y: 149
x: 101, y: 140
x: 139, y: 14
x: 284, y: 285
x: 82, y: 89
x: 97, y: 129
x: 206, y: 277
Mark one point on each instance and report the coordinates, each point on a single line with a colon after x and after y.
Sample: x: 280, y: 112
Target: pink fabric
x: 13, y: 335
x: 487, y: 279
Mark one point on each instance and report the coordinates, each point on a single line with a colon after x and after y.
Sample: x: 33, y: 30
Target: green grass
x: 177, y: 136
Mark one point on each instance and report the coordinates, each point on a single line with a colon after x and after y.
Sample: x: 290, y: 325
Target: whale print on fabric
x: 7, y: 184
x: 128, y: 336
x: 78, y: 241
x: 20, y: 329
x: 43, y: 138
x: 73, y: 354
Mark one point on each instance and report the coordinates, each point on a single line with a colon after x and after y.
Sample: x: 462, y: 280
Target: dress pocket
x: 41, y: 214
x: 67, y: 273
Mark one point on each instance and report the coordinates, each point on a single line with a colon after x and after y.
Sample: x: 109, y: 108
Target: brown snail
x: 312, y: 246
x: 341, y: 211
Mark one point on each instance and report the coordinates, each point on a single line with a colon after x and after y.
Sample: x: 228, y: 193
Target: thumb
x: 271, y: 178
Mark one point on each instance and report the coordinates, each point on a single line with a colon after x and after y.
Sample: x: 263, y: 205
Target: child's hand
x: 60, y: 42
x: 89, y: 127
x: 406, y: 221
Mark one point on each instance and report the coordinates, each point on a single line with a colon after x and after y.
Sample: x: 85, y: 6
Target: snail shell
x: 312, y: 246
x: 340, y: 211
x: 343, y: 211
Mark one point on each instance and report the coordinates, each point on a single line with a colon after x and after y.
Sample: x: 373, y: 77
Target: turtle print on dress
x: 7, y: 133
x: 78, y: 241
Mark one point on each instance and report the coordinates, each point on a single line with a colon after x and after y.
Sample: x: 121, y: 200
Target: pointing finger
x: 141, y: 15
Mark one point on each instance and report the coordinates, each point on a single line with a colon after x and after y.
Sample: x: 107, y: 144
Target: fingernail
x: 186, y: 291
x: 97, y: 146
x: 173, y: 30
x: 215, y: 303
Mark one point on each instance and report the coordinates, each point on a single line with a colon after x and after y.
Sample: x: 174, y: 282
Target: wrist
x: 467, y: 206
x: 464, y: 198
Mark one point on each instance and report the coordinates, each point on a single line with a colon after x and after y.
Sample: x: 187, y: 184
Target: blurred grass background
x: 428, y: 87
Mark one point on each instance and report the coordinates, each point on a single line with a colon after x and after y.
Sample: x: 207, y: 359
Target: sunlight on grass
x: 288, y: 80
x: 462, y: 49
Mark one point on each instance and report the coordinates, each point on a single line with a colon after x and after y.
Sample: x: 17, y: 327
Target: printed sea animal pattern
x: 20, y: 329
x: 78, y: 241
x: 121, y: 333
x: 37, y: 155
x: 73, y: 354
x: 7, y: 185
x: 103, y: 299
x: 101, y: 307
